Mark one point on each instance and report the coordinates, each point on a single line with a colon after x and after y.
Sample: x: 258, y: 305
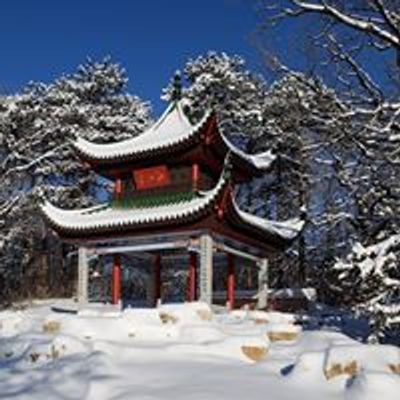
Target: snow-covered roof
x: 259, y: 161
x: 106, y: 217
x: 287, y: 230
x: 172, y: 128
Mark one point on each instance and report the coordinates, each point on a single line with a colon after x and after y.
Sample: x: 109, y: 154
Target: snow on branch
x: 349, y: 20
x: 362, y: 75
x: 391, y: 20
x: 8, y: 205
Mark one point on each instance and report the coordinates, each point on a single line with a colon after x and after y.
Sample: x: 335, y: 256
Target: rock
x: 51, y: 327
x: 167, y: 318
x: 395, y: 368
x: 282, y: 336
x: 260, y: 321
x: 205, y: 315
x: 34, y: 357
x: 351, y: 369
x: 255, y: 353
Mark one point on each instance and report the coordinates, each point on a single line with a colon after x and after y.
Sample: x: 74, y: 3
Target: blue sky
x: 41, y: 39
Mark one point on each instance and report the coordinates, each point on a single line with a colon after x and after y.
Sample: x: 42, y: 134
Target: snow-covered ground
x: 185, y: 352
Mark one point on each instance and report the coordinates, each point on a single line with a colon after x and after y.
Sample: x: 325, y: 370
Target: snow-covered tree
x: 356, y: 47
x: 299, y: 125
x: 294, y: 118
x: 368, y: 280
x: 224, y: 83
x: 39, y: 124
x: 37, y: 160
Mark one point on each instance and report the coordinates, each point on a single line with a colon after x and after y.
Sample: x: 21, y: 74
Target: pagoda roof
x: 260, y: 161
x: 172, y: 129
x: 288, y: 229
x: 105, y: 219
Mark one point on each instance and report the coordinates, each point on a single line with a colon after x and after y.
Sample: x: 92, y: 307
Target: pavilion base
x: 200, y: 247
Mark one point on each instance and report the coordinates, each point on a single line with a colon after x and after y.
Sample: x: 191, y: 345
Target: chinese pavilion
x: 173, y: 193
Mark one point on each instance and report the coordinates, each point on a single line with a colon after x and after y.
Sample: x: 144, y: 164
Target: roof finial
x: 177, y: 86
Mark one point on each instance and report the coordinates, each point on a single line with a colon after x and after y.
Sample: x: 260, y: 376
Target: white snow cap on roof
x: 260, y: 161
x: 287, y: 230
x: 104, y: 216
x: 171, y: 128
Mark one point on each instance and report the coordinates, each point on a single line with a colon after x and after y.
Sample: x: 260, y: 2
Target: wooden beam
x: 141, y: 247
x: 236, y: 252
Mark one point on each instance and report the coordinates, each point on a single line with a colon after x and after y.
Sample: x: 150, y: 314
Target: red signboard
x: 148, y: 178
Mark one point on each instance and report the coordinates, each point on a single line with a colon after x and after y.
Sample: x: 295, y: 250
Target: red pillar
x: 157, y: 279
x: 195, y: 176
x: 117, y: 188
x: 116, y: 280
x: 191, y: 287
x: 230, y: 290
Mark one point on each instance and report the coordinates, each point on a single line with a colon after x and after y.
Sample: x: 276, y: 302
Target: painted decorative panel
x: 149, y: 178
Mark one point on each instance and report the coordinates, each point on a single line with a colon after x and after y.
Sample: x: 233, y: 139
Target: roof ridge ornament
x: 177, y: 87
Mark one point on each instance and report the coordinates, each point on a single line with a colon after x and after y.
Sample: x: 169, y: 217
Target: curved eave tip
x: 263, y: 161
x: 296, y: 228
x: 79, y: 144
x: 46, y: 207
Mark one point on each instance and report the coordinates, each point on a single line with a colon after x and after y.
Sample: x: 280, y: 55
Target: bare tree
x: 360, y: 47
x: 359, y: 55
x: 357, y: 47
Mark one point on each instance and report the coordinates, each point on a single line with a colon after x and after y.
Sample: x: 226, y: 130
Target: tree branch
x: 348, y: 20
x: 387, y: 16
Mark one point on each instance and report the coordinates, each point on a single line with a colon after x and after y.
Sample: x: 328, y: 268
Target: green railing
x: 154, y: 200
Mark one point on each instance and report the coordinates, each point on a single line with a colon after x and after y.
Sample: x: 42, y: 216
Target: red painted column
x: 195, y: 176
x: 157, y: 279
x: 230, y: 290
x: 116, y: 280
x: 118, y: 188
x: 192, y: 281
